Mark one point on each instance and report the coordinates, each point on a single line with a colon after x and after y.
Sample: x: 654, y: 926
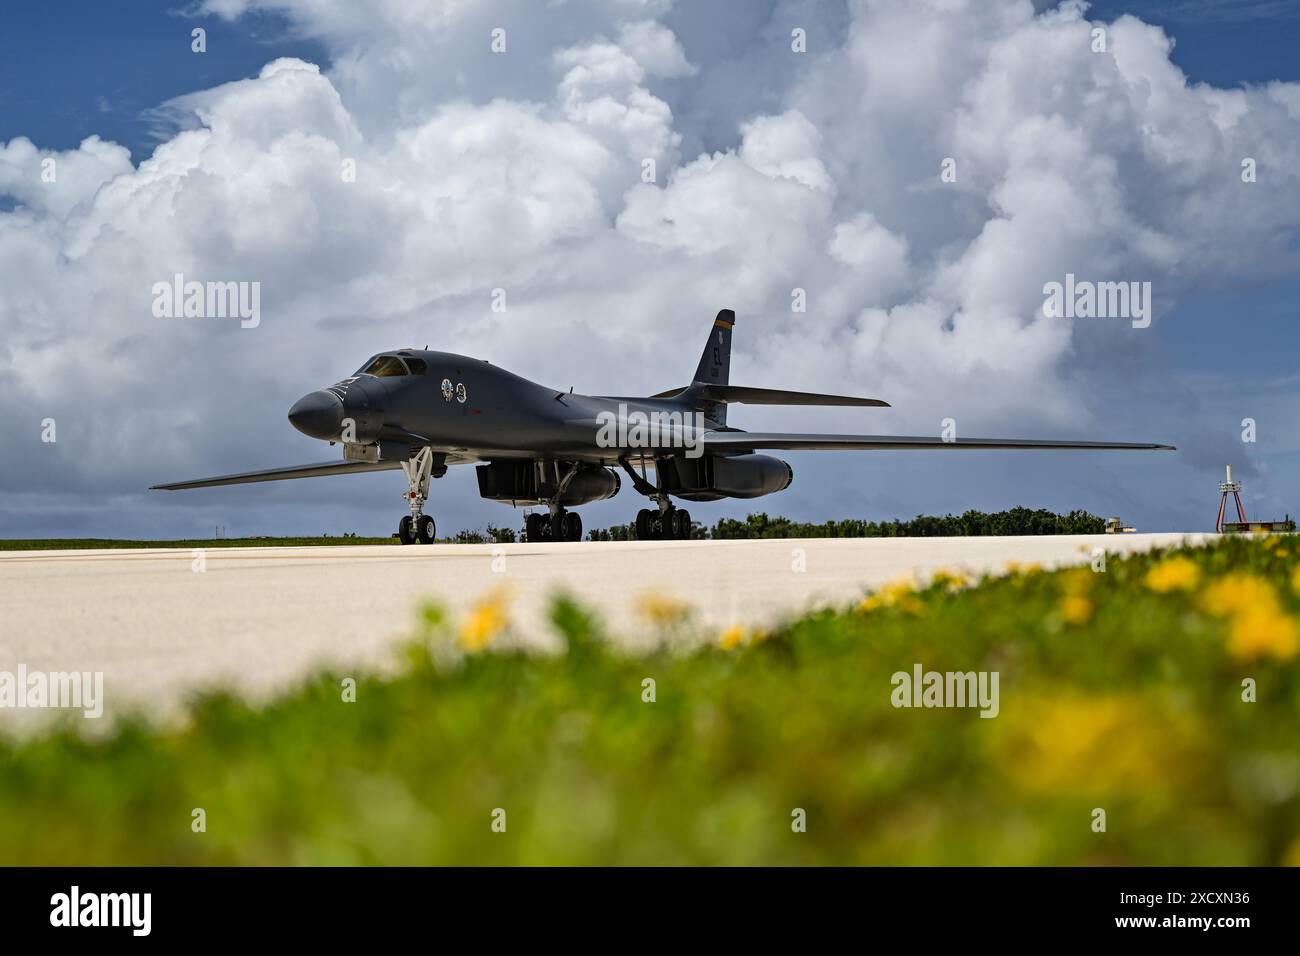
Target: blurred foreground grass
x: 1120, y: 690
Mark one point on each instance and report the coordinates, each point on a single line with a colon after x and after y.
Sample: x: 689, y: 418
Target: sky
x: 780, y: 175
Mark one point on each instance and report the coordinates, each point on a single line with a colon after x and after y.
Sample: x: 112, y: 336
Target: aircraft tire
x: 533, y: 528
x: 426, y: 530
x: 682, y: 525
x: 643, y: 527
x: 405, y: 533
x: 571, y: 524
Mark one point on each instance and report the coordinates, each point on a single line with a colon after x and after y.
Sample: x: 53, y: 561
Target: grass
x: 1119, y: 691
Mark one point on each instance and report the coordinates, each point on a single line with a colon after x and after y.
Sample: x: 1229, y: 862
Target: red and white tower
x: 1226, y: 487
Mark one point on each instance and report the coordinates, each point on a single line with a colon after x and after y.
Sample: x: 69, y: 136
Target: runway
x: 259, y: 619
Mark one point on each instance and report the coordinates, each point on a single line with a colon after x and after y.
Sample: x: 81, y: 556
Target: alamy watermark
x: 923, y: 688
x: 179, y: 299
x: 1084, y: 299
x: 638, y: 429
x: 133, y: 911
x: 82, y: 690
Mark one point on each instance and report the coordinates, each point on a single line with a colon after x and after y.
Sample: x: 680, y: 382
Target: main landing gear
x: 561, y: 525
x: 667, y: 523
x: 418, y: 527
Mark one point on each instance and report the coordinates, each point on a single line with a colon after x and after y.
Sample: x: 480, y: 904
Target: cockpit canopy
x: 391, y: 366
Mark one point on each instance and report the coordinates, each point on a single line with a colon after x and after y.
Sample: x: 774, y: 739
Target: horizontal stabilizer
x: 747, y: 441
x: 744, y: 395
x: 279, y: 474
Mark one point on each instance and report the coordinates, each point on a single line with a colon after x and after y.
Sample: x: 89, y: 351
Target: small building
x: 1115, y: 526
x: 1259, y: 527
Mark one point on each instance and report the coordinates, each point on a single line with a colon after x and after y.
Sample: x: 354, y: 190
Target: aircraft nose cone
x: 318, y: 414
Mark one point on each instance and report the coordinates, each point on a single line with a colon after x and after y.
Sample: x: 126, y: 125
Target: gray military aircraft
x: 424, y: 411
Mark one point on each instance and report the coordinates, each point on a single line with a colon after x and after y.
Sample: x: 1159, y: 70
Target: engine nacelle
x: 711, y: 477
x: 532, y: 483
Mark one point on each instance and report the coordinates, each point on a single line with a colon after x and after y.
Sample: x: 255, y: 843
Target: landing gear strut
x: 418, y: 527
x: 668, y: 522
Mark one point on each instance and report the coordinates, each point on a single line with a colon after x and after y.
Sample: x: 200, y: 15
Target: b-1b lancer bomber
x: 425, y: 411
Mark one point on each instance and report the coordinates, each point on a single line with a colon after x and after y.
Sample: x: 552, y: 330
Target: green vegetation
x: 1015, y: 521
x: 490, y: 535
x: 1120, y: 690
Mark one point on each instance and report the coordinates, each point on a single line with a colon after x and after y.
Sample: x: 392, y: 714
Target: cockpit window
x: 417, y: 366
x: 385, y: 366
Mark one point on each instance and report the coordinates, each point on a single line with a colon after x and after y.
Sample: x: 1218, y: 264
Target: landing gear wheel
x: 405, y: 533
x: 643, y: 526
x: 681, y: 524
x: 570, y: 525
x: 426, y: 531
x: 535, y: 528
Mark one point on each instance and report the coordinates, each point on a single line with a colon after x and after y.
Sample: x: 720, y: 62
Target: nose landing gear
x: 418, y: 527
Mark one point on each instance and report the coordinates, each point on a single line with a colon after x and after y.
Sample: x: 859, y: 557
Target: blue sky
x: 81, y: 67
x: 1222, y: 349
x: 72, y: 69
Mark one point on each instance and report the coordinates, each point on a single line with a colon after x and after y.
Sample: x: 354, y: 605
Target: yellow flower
x: 897, y: 593
x: 1295, y: 580
x: 486, y: 620
x: 1265, y: 632
x: 951, y: 581
x: 731, y: 637
x: 1173, y: 574
x: 1075, y: 609
x: 662, y: 610
x: 1257, y: 624
x: 1237, y: 593
x: 1071, y: 742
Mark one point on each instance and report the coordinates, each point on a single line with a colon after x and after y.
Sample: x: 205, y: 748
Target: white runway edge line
x: 259, y: 620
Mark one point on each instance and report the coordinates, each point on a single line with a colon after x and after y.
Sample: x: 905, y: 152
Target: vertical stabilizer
x: 715, y: 362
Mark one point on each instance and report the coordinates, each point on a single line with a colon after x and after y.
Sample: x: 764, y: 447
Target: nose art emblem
x: 446, y: 390
x: 341, y: 388
x: 461, y: 394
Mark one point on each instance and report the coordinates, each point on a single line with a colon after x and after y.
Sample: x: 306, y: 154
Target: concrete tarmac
x: 259, y: 619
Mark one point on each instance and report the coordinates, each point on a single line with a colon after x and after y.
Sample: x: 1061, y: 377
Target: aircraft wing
x: 745, y: 395
x: 745, y: 441
x: 278, y: 474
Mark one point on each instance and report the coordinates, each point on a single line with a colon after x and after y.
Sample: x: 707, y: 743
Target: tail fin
x: 715, y: 362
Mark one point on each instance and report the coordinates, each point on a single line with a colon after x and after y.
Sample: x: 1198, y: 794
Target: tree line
x: 1016, y: 521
